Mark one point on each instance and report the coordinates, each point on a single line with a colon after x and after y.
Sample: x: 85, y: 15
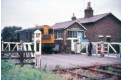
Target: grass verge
x: 9, y: 71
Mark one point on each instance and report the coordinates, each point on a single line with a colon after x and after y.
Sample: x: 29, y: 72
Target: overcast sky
x: 29, y: 13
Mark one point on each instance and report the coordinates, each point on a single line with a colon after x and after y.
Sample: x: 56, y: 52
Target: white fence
x: 27, y: 46
x: 83, y: 47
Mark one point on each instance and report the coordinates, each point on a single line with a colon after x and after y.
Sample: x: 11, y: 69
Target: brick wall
x: 107, y: 26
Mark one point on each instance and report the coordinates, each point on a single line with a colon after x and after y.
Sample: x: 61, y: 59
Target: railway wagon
x: 27, y: 35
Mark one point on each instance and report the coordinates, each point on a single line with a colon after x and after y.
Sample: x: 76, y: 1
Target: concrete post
x: 37, y: 48
x: 72, y: 45
x: 78, y: 45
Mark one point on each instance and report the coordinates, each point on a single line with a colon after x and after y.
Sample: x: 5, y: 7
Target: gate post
x: 37, y: 48
x: 78, y: 45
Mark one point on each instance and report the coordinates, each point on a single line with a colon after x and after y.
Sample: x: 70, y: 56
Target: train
x: 47, y: 35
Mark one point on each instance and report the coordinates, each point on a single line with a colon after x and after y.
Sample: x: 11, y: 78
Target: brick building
x: 105, y: 27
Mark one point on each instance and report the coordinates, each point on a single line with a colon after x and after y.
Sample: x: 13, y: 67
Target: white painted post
x: 37, y: 40
x: 8, y: 46
x: 97, y: 49
x: 78, y: 45
x: 108, y: 49
x: 17, y: 46
x: 72, y: 45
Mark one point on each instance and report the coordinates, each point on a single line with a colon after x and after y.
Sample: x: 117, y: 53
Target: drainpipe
x: 120, y: 50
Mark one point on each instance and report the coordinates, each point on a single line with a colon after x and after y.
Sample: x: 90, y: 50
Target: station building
x: 103, y: 27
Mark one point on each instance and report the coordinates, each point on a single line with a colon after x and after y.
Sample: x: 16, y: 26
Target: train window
x: 18, y: 37
x: 42, y: 30
x: 50, y: 31
x: 27, y: 35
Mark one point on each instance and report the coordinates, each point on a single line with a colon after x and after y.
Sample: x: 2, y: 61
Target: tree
x: 8, y: 32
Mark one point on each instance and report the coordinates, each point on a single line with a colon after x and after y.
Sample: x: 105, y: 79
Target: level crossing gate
x: 98, y: 47
x: 31, y: 51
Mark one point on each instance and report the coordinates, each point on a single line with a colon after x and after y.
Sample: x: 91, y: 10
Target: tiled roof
x: 80, y: 20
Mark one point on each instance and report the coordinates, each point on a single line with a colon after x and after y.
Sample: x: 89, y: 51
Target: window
x: 59, y: 34
x: 26, y: 35
x: 108, y: 38
x: 100, y: 37
x: 50, y: 31
x: 72, y: 34
x: 30, y: 36
x: 18, y: 37
x: 42, y: 30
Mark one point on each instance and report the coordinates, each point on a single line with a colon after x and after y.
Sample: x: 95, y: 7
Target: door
x: 80, y: 34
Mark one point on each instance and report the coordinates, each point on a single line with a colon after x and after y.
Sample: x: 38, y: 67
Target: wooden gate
x: 110, y: 47
x: 27, y: 52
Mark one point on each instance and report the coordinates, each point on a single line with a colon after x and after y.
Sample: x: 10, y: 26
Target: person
x: 89, y: 48
x: 102, y: 48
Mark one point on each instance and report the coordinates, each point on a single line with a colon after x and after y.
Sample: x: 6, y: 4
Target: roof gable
x: 80, y: 25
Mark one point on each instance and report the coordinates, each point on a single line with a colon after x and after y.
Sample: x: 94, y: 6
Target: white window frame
x: 73, y: 34
x: 101, y: 36
x: 108, y: 35
x: 59, y: 35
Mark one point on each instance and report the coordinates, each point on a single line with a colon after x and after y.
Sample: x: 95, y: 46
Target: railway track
x: 112, y: 72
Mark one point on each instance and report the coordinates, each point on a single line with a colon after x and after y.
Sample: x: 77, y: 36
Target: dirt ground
x: 54, y: 61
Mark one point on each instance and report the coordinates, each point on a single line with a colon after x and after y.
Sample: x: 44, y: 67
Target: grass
x: 10, y: 71
x: 58, y: 66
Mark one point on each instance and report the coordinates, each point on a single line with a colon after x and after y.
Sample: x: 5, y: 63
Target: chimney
x: 73, y: 18
x: 88, y: 11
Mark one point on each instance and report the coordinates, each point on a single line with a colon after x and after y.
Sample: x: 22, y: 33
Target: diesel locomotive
x: 47, y: 35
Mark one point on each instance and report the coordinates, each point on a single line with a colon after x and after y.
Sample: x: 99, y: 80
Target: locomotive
x: 47, y: 35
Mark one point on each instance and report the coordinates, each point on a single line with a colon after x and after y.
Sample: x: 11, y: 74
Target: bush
x: 11, y: 72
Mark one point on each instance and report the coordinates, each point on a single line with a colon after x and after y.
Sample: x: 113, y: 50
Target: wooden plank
x: 113, y: 48
x: 25, y: 63
x: 17, y: 51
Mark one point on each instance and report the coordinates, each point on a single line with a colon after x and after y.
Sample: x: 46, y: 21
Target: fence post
x: 78, y: 45
x: 97, y: 49
x: 21, y: 58
x: 108, y: 49
x: 8, y: 46
x: 37, y: 48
